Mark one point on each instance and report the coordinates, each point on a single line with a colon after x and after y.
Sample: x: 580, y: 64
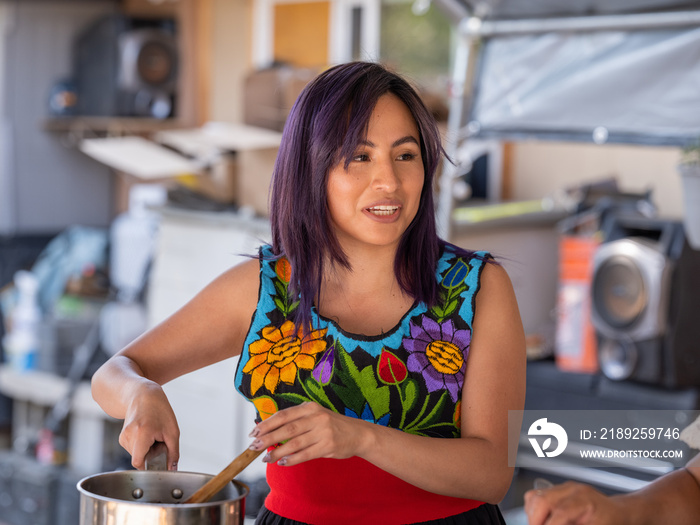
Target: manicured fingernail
x: 282, y: 462
x: 266, y: 458
x: 254, y: 432
x: 256, y: 445
x: 174, y: 465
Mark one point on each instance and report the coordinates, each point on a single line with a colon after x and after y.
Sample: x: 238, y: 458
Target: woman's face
x: 374, y: 201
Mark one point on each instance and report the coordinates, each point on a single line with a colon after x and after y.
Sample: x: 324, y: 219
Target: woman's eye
x: 360, y: 157
x: 407, y: 156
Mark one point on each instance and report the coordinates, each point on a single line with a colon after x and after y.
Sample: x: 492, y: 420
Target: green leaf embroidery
x: 459, y: 291
x: 451, y: 307
x: 429, y: 420
x: 315, y: 391
x: 377, y: 396
x: 408, y: 393
x: 438, y: 312
x: 420, y: 414
x: 297, y: 399
x: 437, y: 409
x: 280, y: 305
x: 449, y: 301
x: 347, y: 364
x: 348, y: 395
x: 356, y: 387
x: 281, y: 288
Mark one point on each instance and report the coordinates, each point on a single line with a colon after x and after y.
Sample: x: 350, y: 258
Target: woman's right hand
x: 149, y: 419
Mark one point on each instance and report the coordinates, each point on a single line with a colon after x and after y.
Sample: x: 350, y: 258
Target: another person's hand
x: 572, y: 504
x: 307, y: 431
x: 149, y: 419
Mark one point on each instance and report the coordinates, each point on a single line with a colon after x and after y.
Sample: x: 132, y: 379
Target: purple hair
x: 324, y: 127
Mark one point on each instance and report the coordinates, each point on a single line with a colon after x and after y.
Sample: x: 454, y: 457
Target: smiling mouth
x: 383, y: 210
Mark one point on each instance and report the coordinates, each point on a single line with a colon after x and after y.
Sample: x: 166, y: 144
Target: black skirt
x: 485, y: 514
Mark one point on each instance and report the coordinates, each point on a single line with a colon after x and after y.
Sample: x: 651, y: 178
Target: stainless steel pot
x: 134, y: 497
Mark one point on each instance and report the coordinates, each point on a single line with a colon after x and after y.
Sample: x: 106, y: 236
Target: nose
x: 385, y: 177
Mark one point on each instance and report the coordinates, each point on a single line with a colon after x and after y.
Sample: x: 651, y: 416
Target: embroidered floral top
x: 409, y: 378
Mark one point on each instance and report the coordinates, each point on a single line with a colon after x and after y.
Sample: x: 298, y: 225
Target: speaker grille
x: 155, y: 64
x: 619, y: 292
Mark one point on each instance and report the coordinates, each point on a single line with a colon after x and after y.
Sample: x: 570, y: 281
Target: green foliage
x: 417, y: 46
x: 690, y: 155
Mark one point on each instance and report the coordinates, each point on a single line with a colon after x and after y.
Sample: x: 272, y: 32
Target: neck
x: 365, y: 298
x: 371, y: 269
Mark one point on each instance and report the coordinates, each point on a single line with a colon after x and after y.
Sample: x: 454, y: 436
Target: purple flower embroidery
x: 439, y: 352
x: 324, y: 368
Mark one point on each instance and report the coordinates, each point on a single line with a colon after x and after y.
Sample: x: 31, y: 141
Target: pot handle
x: 157, y: 457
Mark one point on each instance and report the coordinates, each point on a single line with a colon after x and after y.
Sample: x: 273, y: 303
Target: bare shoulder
x: 496, y: 315
x: 237, y: 287
x: 495, y: 284
x: 495, y: 378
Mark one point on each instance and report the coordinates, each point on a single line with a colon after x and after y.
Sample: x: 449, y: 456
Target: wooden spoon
x: 218, y: 482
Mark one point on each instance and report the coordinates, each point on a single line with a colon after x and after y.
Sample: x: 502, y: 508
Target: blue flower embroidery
x: 368, y: 415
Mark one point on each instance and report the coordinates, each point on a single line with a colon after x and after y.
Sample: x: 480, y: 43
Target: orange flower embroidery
x: 266, y: 406
x: 283, y: 269
x: 280, y: 354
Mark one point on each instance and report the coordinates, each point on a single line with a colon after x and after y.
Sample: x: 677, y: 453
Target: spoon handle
x: 219, y: 481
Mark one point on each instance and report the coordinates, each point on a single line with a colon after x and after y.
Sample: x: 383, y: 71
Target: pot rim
x: 243, y: 488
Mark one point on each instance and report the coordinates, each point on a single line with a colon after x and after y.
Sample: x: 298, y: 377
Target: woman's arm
x: 472, y: 466
x: 672, y: 498
x: 209, y: 328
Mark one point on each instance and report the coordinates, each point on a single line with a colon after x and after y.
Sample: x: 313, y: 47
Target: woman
x: 356, y: 329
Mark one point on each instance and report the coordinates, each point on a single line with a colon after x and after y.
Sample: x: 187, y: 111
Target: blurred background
x: 137, y: 139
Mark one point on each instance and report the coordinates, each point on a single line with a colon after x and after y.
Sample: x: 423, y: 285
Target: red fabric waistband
x: 351, y: 491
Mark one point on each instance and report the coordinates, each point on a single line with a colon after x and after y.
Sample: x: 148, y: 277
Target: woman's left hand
x: 307, y: 431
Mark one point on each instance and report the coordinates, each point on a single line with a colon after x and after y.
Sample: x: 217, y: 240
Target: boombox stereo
x: 128, y: 67
x: 646, y: 303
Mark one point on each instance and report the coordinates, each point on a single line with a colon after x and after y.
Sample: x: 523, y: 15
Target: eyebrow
x: 403, y: 140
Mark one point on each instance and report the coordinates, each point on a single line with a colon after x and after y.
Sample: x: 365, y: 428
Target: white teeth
x: 383, y: 210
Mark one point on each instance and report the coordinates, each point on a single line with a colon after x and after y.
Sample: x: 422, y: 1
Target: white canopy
x: 588, y: 70
x: 624, y: 71
x: 509, y: 9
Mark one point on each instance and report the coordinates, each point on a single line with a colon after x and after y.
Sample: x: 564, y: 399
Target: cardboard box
x: 250, y: 158
x: 254, y: 177
x: 269, y: 94
x: 218, y: 182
